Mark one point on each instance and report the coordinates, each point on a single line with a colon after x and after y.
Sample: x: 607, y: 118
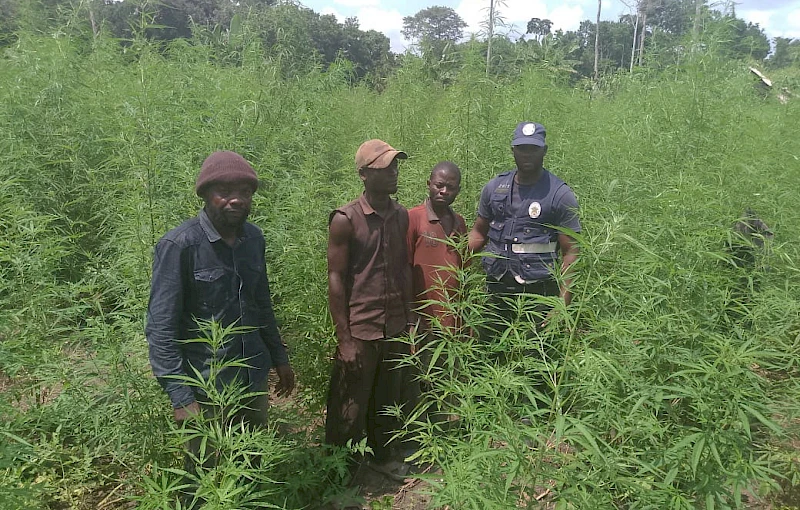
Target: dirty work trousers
x: 361, y: 389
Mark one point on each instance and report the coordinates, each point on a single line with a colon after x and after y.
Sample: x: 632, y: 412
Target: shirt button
x: 515, y: 239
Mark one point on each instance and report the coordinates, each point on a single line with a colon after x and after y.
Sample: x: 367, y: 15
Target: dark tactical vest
x: 526, y: 246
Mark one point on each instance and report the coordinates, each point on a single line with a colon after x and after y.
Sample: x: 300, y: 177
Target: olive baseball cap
x: 529, y: 133
x: 377, y: 154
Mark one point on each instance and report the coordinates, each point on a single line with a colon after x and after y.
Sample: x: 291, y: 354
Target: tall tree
x: 368, y: 51
x: 675, y: 17
x: 635, y: 35
x: 613, y: 46
x: 493, y: 20
x: 735, y: 38
x: 634, y: 21
x: 787, y: 53
x: 490, y: 36
x: 751, y: 41
x: 328, y: 36
x: 539, y: 28
x: 177, y: 16
x: 227, y: 9
x: 435, y: 23
x: 597, y: 41
x: 433, y: 30
x: 643, y: 33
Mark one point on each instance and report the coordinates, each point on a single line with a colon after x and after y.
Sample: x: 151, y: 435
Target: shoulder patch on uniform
x: 503, y: 188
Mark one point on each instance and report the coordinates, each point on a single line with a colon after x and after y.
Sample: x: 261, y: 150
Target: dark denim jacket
x: 197, y: 277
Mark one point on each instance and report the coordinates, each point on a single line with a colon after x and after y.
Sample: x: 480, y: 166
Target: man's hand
x: 182, y: 413
x: 412, y: 330
x: 286, y: 382
x: 347, y: 348
x: 569, y: 254
x: 551, y: 313
x: 479, y: 234
x: 412, y: 327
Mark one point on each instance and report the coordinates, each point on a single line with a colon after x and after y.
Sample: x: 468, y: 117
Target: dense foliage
x: 672, y: 378
x: 656, y: 33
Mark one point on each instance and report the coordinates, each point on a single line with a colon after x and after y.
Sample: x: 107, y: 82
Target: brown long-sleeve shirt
x: 376, y: 270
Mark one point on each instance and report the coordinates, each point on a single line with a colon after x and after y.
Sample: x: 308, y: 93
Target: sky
x: 778, y: 18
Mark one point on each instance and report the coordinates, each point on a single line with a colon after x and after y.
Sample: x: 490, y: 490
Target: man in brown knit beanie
x: 212, y: 268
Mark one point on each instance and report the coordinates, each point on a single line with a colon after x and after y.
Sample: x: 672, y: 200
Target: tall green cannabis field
x: 654, y: 389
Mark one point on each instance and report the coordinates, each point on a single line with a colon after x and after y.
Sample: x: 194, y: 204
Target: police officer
x: 517, y: 214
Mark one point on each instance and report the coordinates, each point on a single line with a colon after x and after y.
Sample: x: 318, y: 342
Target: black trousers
x: 504, y: 311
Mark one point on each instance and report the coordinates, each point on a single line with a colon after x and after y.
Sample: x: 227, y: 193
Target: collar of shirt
x: 211, y: 232
x: 208, y: 227
x: 362, y: 201
x: 432, y: 216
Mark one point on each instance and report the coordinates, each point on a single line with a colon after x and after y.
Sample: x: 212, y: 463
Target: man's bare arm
x: 569, y: 254
x: 479, y: 234
x: 340, y: 232
x: 409, y: 298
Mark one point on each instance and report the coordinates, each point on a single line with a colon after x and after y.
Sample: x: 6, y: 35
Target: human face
x: 228, y: 204
x: 529, y: 158
x: 381, y: 181
x: 443, y: 188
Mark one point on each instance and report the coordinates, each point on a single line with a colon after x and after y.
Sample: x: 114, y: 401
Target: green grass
x: 664, y: 400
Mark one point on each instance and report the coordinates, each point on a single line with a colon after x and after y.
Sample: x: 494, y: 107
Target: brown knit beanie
x: 225, y: 166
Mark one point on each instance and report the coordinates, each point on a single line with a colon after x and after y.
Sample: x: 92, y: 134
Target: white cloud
x: 397, y: 42
x: 388, y: 21
x: 793, y: 24
x: 331, y: 10
x: 567, y: 17
x: 776, y: 23
x: 382, y: 20
x: 357, y: 3
x: 473, y: 13
x: 519, y: 12
x: 756, y: 16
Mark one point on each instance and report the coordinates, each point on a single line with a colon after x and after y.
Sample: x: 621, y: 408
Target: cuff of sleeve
x: 280, y: 360
x: 180, y: 396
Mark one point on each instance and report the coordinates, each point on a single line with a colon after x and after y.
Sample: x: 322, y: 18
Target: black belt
x: 509, y: 285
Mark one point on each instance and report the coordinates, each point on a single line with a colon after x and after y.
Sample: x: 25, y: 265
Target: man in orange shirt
x: 433, y: 260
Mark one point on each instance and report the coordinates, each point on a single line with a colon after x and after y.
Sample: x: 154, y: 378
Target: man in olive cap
x: 212, y: 267
x: 369, y: 295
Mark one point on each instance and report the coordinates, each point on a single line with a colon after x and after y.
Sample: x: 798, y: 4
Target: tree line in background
x: 659, y: 33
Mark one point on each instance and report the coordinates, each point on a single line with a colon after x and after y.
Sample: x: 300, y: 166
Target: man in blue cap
x: 516, y: 222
